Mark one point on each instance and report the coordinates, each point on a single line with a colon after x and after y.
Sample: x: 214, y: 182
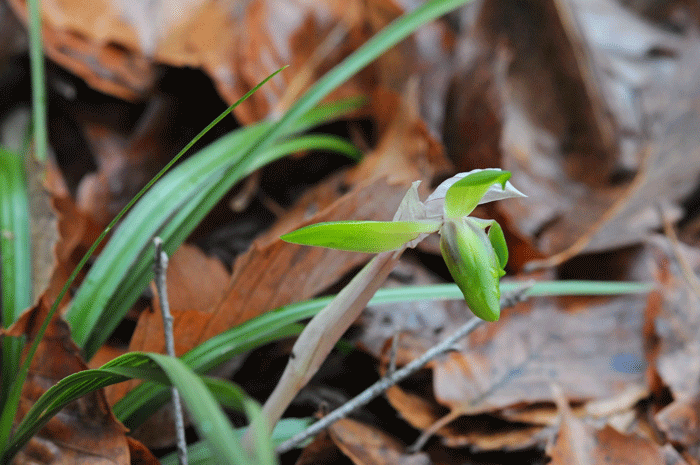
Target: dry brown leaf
x: 563, y: 104
x: 366, y: 445
x: 674, y: 321
x: 195, y: 282
x: 86, y: 429
x: 680, y: 422
x: 478, y: 433
x: 321, y: 450
x: 593, y: 349
x: 564, y: 99
x: 581, y: 444
x: 596, y: 219
x: 117, y: 47
x: 594, y: 353
x: 125, y: 160
x: 76, y: 233
x: 140, y: 455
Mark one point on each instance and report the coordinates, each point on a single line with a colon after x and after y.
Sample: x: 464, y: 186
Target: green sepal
x: 361, y: 236
x: 473, y: 265
x: 498, y: 242
x: 464, y: 195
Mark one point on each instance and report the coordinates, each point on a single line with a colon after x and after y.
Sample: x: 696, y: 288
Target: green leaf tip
x: 361, y: 236
x: 464, y: 195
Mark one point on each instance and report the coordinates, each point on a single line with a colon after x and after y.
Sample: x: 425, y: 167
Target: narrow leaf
x: 361, y: 236
x: 200, y: 454
x: 146, y: 398
x: 172, y: 209
x: 211, y: 423
x: 15, y: 267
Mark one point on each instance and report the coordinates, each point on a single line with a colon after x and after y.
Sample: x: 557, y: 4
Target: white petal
x: 412, y: 209
x: 434, y: 204
x: 495, y: 192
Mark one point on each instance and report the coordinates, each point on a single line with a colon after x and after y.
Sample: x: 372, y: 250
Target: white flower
x: 433, y: 209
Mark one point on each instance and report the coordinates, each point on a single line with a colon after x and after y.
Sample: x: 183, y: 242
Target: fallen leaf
x: 118, y: 48
x: 549, y: 124
x: 606, y: 218
x: 86, y: 429
x: 366, y: 445
x: 195, y: 283
x: 140, y: 455
x: 479, y: 433
x: 674, y: 324
x: 680, y: 423
x: 76, y: 233
x: 321, y: 450
x: 127, y: 158
x: 594, y: 353
x: 581, y: 444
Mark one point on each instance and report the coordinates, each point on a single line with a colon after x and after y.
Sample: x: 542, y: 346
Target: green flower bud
x: 473, y: 264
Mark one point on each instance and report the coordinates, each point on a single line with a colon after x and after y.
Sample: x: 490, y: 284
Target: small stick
x: 160, y: 268
x: 385, y: 383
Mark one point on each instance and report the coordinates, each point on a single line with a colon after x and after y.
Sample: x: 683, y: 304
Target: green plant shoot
x: 474, y: 249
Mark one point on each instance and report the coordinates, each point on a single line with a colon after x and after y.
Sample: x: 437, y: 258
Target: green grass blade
x: 16, y: 266
x: 145, y: 399
x: 208, y: 418
x: 210, y: 421
x: 199, y: 453
x: 172, y: 209
x: 14, y: 238
x: 36, y: 62
x: 142, y: 401
x: 9, y: 408
x: 232, y: 396
x: 83, y: 317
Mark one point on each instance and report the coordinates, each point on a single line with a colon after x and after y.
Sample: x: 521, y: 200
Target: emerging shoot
x: 474, y: 249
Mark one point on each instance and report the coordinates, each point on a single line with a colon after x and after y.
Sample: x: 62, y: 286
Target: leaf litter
x: 590, y: 105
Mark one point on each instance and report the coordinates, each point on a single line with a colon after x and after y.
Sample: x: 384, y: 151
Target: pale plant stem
x: 321, y: 334
x: 385, y: 383
x: 160, y: 268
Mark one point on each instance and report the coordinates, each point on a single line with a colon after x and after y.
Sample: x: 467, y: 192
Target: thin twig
x: 385, y: 383
x: 160, y: 268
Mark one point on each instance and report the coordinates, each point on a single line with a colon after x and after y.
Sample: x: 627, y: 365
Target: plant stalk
x: 323, y: 331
